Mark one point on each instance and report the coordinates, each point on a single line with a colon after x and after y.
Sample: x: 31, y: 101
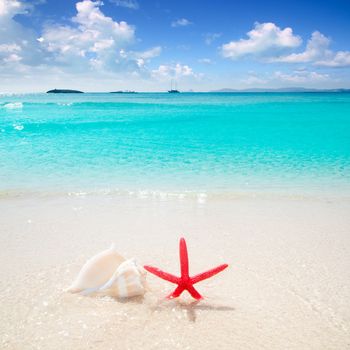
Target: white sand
x: 288, y: 285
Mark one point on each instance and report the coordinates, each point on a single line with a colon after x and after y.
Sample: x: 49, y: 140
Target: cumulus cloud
x: 182, y: 22
x: 130, y: 4
x: 339, y: 59
x: 316, y: 48
x: 266, y: 39
x: 10, y: 48
x: 10, y: 8
x: 263, y: 39
x: 92, y: 37
x: 318, y: 53
x: 91, y: 49
x: 151, y: 53
x: 177, y: 71
x: 142, y: 57
x: 92, y: 40
x: 17, y: 44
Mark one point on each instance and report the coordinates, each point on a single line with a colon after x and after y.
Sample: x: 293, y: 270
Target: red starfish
x: 185, y: 282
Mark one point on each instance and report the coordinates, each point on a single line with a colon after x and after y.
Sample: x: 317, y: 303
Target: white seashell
x: 128, y: 281
x: 97, y: 271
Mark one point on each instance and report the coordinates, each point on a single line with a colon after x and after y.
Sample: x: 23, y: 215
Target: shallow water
x: 183, y: 143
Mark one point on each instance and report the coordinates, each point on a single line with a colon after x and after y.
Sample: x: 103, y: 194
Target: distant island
x: 287, y: 89
x: 64, y: 91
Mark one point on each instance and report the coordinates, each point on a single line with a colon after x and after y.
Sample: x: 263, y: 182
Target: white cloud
x: 93, y: 37
x: 165, y: 72
x: 318, y: 53
x: 301, y: 76
x: 316, y: 48
x: 12, y: 58
x: 10, y: 8
x: 209, y: 38
x: 263, y: 39
x: 131, y: 4
x: 10, y: 48
x: 339, y: 59
x: 141, y: 57
x: 151, y: 53
x: 91, y: 50
x: 17, y: 44
x: 182, y: 22
x: 266, y: 38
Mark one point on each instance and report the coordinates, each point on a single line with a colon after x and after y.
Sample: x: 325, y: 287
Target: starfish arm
x: 194, y: 292
x: 204, y: 275
x: 164, y: 275
x: 183, y: 258
x: 176, y: 293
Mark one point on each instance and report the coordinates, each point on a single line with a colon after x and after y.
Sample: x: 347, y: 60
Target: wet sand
x: 287, y: 286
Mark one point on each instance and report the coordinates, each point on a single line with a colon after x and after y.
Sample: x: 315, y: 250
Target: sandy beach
x: 287, y: 286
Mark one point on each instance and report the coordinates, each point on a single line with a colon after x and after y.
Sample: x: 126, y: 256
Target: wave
x: 35, y: 103
x: 13, y: 105
x: 18, y: 126
x: 65, y: 103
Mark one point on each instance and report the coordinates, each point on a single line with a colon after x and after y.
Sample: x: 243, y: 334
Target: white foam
x: 18, y: 127
x: 65, y: 104
x: 202, y: 198
x: 14, y: 105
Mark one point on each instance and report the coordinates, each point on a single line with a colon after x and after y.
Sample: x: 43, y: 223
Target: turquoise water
x: 200, y: 142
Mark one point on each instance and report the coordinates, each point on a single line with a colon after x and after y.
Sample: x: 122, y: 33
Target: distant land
x: 287, y: 89
x: 64, y: 91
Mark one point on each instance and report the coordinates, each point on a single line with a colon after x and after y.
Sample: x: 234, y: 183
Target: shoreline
x: 303, y: 193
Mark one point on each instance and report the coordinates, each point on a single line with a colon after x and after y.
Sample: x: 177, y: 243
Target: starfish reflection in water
x: 185, y: 282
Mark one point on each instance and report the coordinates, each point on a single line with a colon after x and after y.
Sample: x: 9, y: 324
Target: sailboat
x: 173, y: 87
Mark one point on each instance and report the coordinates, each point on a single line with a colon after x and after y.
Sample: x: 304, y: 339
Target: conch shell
x: 129, y: 280
x: 108, y: 273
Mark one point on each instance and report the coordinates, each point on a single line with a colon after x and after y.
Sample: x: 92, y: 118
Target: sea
x: 186, y: 144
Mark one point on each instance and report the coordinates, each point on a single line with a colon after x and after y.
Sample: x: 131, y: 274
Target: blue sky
x: 143, y: 44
